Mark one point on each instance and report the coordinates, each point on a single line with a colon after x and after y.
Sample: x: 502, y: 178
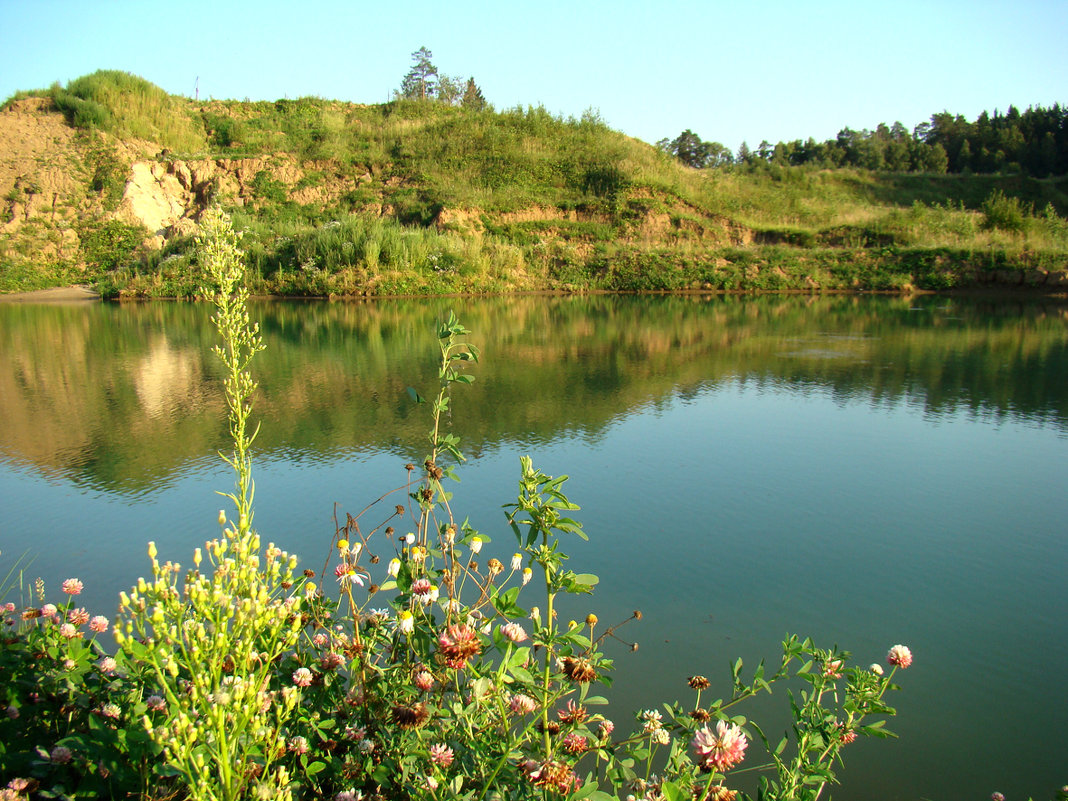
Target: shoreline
x: 64, y: 294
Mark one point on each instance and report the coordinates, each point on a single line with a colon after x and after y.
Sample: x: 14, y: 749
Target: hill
x: 102, y: 181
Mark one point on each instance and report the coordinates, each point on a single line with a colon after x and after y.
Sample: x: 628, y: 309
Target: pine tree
x: 420, y: 83
x: 473, y: 98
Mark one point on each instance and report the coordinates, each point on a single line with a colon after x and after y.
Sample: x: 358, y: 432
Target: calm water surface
x: 866, y: 471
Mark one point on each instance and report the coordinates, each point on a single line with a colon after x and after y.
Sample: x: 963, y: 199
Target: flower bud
x: 222, y: 517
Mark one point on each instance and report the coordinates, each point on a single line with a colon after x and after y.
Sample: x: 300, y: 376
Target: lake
x: 864, y: 470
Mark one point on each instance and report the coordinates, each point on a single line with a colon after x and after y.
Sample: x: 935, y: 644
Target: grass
x: 421, y: 197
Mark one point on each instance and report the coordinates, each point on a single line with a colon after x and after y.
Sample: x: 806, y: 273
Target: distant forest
x: 1033, y: 142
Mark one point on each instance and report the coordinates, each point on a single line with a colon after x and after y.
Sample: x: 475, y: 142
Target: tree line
x: 1033, y: 142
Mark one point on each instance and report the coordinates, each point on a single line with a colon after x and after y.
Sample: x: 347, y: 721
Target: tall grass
x: 129, y: 106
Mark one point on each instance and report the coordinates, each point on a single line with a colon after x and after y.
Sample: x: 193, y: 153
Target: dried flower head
x: 698, y: 682
x: 573, y: 713
x: 410, y: 717
x: 579, y: 669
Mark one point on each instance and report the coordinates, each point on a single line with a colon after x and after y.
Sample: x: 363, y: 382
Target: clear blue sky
x: 730, y: 71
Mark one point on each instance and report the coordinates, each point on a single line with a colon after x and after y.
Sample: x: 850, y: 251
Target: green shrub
x: 1005, y: 213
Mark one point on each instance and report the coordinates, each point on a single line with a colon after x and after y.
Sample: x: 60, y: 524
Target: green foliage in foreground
x: 239, y: 679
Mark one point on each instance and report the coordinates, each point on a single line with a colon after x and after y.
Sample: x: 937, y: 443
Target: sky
x: 729, y: 71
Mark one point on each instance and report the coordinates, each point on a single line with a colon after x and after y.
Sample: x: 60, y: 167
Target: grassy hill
x: 419, y: 197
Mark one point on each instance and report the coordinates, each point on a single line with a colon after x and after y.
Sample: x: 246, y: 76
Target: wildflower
x: 48, y: 610
x: 78, y: 617
x: 495, y: 567
x: 410, y: 717
x: 423, y: 680
x: 721, y: 750
x: 476, y: 544
x: 418, y: 554
x: 876, y: 668
x: 379, y: 615
x: 701, y: 715
x: 72, y: 586
x: 331, y: 661
x: 720, y: 793
x: 651, y: 720
x: 527, y: 573
x: 69, y: 631
x: 19, y: 785
x: 441, y: 754
x: 996, y: 796
x: 591, y: 620
x: 347, y: 575
x: 457, y: 644
x: 517, y: 561
x: 99, y: 624
x: 302, y: 677
x: 393, y: 568
x: 522, y: 704
x: 156, y: 703
x: 551, y: 775
x: 698, y: 682
x: 662, y: 736
x: 108, y: 664
x: 574, y: 713
x: 343, y: 545
x: 576, y: 744
x: 321, y: 639
x: 60, y: 755
x: 899, y: 656
x: 578, y: 669
x: 430, y: 783
x: 12, y: 712
x: 513, y: 631
x: 349, y: 795
x: 832, y: 669
x: 405, y: 622
x: 606, y: 728
x: 297, y: 745
x: 425, y: 592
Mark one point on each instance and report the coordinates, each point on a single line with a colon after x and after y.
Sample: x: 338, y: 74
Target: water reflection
x: 84, y: 388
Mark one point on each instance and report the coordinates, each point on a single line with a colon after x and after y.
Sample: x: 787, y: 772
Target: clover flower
x: 832, y: 669
x: 78, y: 617
x: 457, y: 644
x: 48, y: 610
x: 576, y: 744
x: 302, y: 677
x: 156, y: 703
x: 522, y: 704
x: 349, y: 795
x: 410, y: 717
x: 606, y: 728
x: 297, y: 745
x: 108, y: 664
x: 651, y: 720
x: 899, y: 656
x: 441, y: 755
x: 721, y: 750
x: 513, y: 631
x: 550, y: 775
x: 876, y: 668
x: 69, y: 631
x: 60, y: 755
x: 698, y: 682
x: 72, y: 586
x: 99, y: 624
x: 424, y: 680
x: 578, y: 669
x: 573, y: 713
